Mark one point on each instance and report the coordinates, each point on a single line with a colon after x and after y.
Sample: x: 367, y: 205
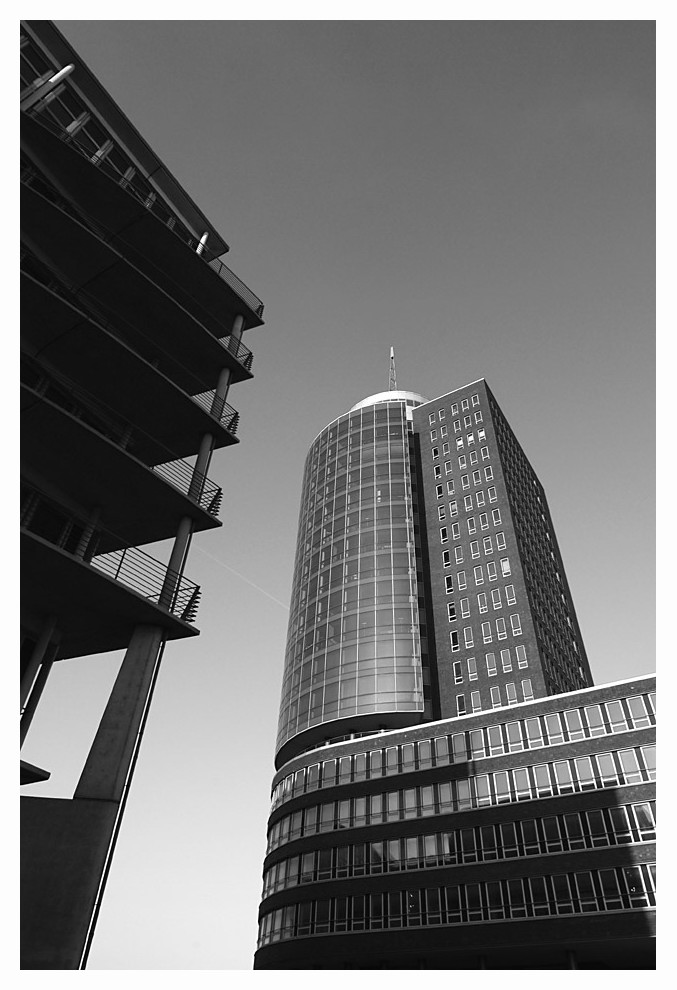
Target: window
x: 481, y: 434
x: 527, y: 690
x: 453, y: 638
x: 472, y: 669
x: 450, y: 488
x: 475, y: 702
x: 470, y: 437
x: 475, y: 399
x: 489, y: 476
x: 477, y: 479
x: 441, y: 514
x: 458, y: 672
x: 510, y: 594
x: 459, y: 443
x: 500, y: 629
x: 437, y: 471
x: 491, y: 662
x: 574, y: 724
x: 454, y: 409
x: 448, y: 584
x: 484, y: 451
x: 433, y: 434
x: 465, y: 405
x: 521, y: 652
x: 457, y: 426
x: 487, y: 637
x: 451, y: 611
x: 505, y: 566
x: 514, y: 733
x: 495, y: 697
x: 439, y: 491
x: 479, y: 498
x: 473, y: 457
x: 511, y: 693
x: 491, y: 492
x: 431, y: 418
x: 440, y: 413
x: 444, y: 535
x: 482, y: 603
x: 487, y: 545
x: 465, y: 481
x: 516, y: 624
x: 496, y: 598
x: 630, y: 766
x: 468, y: 637
x: 460, y: 580
x: 456, y: 532
x: 446, y: 558
x: 506, y: 661
x: 458, y: 555
x: 496, y: 517
x: 500, y: 540
x: 491, y: 570
x: 467, y: 420
x: 453, y: 508
x: 444, y: 431
x: 478, y: 417
x: 435, y: 452
x: 484, y: 523
x: 465, y: 607
x: 474, y: 548
x: 534, y: 734
x: 462, y: 462
x: 445, y: 448
x: 467, y: 503
x: 460, y: 704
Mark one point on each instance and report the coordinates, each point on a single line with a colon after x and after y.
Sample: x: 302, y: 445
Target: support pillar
x: 223, y: 383
x: 202, y: 461
x: 176, y: 562
x: 37, y: 657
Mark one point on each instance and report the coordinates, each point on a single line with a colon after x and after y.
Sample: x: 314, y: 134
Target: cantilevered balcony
x: 99, y: 184
x: 99, y: 597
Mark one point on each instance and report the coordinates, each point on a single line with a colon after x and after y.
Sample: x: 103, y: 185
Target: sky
x: 478, y: 195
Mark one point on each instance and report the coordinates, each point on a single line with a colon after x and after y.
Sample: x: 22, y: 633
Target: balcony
x: 155, y: 206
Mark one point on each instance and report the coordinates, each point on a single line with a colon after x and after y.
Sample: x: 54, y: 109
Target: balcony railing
x: 86, y: 407
x: 219, y: 409
x: 158, y: 208
x: 131, y: 566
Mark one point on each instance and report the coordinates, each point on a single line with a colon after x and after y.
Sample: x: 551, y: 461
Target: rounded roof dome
x: 394, y: 395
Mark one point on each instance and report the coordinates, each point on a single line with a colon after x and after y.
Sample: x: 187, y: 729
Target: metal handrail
x: 178, y: 472
x: 130, y: 566
x: 219, y: 409
x: 160, y: 210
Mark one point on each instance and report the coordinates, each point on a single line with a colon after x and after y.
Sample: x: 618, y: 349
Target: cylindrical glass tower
x: 353, y: 654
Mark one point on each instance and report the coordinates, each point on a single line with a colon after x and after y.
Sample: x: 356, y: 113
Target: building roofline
x: 84, y: 79
x: 467, y: 385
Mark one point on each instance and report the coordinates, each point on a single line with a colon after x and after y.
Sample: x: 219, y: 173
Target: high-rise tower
x: 432, y: 635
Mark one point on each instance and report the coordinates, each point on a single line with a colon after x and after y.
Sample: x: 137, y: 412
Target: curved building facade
x: 353, y: 654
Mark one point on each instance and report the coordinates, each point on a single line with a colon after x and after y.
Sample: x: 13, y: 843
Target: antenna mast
x: 392, y: 381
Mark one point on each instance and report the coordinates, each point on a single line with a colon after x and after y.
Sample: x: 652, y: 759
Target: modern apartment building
x: 432, y: 633
x: 131, y: 338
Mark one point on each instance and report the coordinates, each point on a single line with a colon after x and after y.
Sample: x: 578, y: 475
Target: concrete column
x: 110, y: 757
x: 176, y: 561
x: 37, y: 656
x: 201, y: 246
x: 36, y: 693
x: 223, y: 383
x: 204, y: 456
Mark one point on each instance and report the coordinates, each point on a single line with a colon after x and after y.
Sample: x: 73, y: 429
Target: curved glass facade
x: 353, y: 643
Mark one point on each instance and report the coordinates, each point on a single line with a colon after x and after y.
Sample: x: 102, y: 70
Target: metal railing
x: 158, y: 208
x: 219, y: 409
x: 84, y: 406
x: 130, y: 566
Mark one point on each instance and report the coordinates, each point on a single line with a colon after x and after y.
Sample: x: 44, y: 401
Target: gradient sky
x: 478, y: 195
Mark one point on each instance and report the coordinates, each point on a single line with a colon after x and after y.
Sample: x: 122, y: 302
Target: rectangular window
x: 446, y: 558
x: 516, y: 624
x: 543, y: 782
x: 491, y: 570
x: 453, y: 508
x: 505, y: 567
x: 572, y: 720
x: 630, y: 766
x: 479, y: 498
x: 444, y: 431
x: 451, y: 611
x: 441, y: 514
x: 510, y: 594
x: 479, y: 576
x: 465, y: 405
x: 495, y: 697
x: 491, y: 492
x: 500, y: 629
x: 435, y: 452
x: 475, y: 702
x: 431, y: 418
x: 649, y: 757
x: 527, y: 690
x: 491, y: 663
x: 462, y: 462
x: 440, y: 413
x: 467, y: 420
x: 484, y: 451
x: 444, y: 535
x: 515, y: 742
x: 460, y: 580
x: 565, y: 783
x: 457, y: 425
x: 450, y: 488
x: 534, y: 734
x: 489, y: 476
x: 460, y: 704
x: 454, y: 409
x: 465, y: 481
x: 484, y: 524
x: 445, y: 448
x: 474, y: 549
x: 447, y: 467
x: 467, y: 635
x: 476, y: 479
x: 470, y: 438
x: 553, y: 728
x: 487, y: 634
x: 482, y: 602
x: 458, y: 555
x: 506, y: 661
x: 478, y: 417
x: 482, y: 434
x: 459, y: 443
x: 472, y: 669
x: 467, y: 503
x: 456, y: 532
x: 500, y: 540
x: 638, y: 712
x: 433, y: 434
x: 458, y: 672
x: 439, y: 491
x: 453, y: 638
x: 584, y: 773
x: 496, y: 598
x: 496, y: 517
x: 437, y: 470
x: 521, y: 652
x: 465, y: 607
x: 448, y: 583
x: 473, y: 457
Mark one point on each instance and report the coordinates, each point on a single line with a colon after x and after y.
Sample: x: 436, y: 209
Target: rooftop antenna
x: 392, y: 381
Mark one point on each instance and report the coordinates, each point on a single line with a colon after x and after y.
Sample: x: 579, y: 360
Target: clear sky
x: 477, y: 194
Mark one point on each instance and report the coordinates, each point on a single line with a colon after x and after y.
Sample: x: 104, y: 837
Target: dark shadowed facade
x: 437, y: 692
x: 131, y: 337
